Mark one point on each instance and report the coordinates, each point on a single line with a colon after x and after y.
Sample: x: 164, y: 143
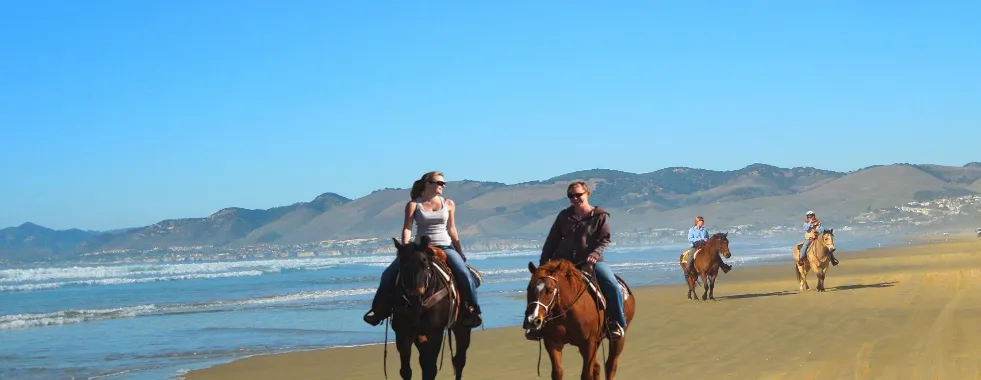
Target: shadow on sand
x: 789, y: 292
x: 755, y: 295
x: 863, y: 286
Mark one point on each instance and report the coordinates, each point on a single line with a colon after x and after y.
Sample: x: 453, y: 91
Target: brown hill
x: 757, y: 194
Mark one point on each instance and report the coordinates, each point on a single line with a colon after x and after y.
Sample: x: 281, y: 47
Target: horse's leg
x: 462, y: 344
x: 712, y: 286
x: 820, y: 272
x: 429, y: 353
x: 403, y: 342
x: 613, y: 361
x: 590, y: 366
x: 691, y: 286
x: 555, y: 356
x: 705, y: 286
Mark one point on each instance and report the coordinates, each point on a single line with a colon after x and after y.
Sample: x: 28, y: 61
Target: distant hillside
x: 757, y: 194
x: 31, y: 242
x: 226, y: 226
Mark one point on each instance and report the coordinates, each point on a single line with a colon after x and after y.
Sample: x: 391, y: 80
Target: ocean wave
x: 120, y: 281
x: 158, y: 270
x: 63, y: 317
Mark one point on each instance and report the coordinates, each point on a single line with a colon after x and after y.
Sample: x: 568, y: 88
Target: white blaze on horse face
x: 534, y: 314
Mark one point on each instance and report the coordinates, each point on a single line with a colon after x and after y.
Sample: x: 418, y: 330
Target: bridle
x: 551, y: 303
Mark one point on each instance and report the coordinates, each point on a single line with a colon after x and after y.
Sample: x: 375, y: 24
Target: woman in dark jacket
x: 580, y: 234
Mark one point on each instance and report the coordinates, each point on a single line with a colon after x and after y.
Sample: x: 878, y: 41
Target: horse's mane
x: 828, y: 231
x: 555, y: 266
x: 718, y: 235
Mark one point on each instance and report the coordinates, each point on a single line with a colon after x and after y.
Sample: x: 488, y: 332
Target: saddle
x: 684, y: 255
x: 592, y: 284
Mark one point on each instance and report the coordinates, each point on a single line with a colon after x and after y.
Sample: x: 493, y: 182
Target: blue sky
x: 123, y: 113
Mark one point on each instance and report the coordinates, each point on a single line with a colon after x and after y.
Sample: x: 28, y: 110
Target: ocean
x: 160, y: 320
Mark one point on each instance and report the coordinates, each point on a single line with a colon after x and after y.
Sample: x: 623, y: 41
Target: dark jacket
x: 575, y: 238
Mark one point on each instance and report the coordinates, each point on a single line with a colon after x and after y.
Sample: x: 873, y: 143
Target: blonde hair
x: 420, y: 184
x: 697, y: 218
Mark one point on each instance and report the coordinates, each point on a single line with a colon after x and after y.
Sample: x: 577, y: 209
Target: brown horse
x: 818, y: 259
x: 428, y: 303
x: 559, y: 308
x: 706, y: 264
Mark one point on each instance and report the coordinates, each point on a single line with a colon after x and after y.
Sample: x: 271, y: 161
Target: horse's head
x: 415, y: 265
x: 543, y: 292
x: 722, y: 239
x: 828, y: 237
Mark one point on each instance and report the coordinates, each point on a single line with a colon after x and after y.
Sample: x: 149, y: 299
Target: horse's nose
x: 537, y: 323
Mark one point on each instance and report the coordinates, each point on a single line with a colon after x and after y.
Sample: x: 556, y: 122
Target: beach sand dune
x: 898, y: 313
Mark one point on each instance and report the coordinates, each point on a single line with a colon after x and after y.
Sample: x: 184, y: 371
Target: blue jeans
x: 611, y: 290
x: 464, y: 279
x: 803, y: 250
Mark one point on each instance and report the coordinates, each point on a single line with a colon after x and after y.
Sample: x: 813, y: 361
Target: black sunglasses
x: 439, y: 183
x: 574, y: 195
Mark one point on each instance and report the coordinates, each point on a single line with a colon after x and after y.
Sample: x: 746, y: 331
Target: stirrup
x: 616, y: 331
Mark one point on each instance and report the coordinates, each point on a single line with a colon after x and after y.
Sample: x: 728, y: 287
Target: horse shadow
x: 756, y: 295
x: 877, y: 285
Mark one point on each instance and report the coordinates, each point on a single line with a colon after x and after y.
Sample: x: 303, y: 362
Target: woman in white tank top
x: 434, y: 217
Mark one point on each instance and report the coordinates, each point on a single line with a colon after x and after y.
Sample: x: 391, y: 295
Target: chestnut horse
x: 818, y: 259
x: 706, y: 265
x: 560, y: 309
x: 427, y: 303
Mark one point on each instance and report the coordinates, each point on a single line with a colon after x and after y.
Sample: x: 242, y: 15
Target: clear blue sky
x: 123, y: 113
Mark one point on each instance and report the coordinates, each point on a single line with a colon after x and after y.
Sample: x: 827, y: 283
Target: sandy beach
x: 910, y: 312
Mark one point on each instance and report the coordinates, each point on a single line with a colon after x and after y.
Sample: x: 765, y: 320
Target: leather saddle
x: 592, y: 284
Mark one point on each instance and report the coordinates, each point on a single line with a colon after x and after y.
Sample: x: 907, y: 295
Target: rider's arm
x: 451, y: 229
x: 693, y: 236
x: 551, y: 242
x: 602, y: 238
x: 410, y: 208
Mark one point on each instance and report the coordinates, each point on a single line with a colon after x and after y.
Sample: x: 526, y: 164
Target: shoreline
x: 762, y: 274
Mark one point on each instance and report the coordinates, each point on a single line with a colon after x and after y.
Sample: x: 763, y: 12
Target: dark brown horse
x: 427, y: 303
x: 563, y: 310
x: 706, y: 264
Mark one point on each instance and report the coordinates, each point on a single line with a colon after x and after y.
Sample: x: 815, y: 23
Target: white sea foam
x: 23, y: 321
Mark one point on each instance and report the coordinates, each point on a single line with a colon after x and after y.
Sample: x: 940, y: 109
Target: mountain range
x: 757, y: 194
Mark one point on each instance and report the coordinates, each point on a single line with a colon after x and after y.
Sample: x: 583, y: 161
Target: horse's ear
x: 398, y: 246
x: 725, y: 234
x: 425, y: 240
x: 531, y: 267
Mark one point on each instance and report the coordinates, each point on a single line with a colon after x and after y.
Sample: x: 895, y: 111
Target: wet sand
x: 910, y: 312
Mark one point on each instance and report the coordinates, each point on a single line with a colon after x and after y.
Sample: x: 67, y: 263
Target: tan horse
x: 818, y: 259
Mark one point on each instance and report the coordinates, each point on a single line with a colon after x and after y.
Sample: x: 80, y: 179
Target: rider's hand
x: 591, y: 260
x: 464, y: 257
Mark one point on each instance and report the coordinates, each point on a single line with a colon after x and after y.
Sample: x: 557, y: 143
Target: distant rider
x: 698, y: 236
x: 812, y: 227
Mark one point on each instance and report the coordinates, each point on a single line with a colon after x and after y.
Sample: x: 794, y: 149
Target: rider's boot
x: 616, y: 331
x: 471, y: 316
x: 533, y: 334
x: 834, y: 261
x: 381, y: 308
x: 725, y: 267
